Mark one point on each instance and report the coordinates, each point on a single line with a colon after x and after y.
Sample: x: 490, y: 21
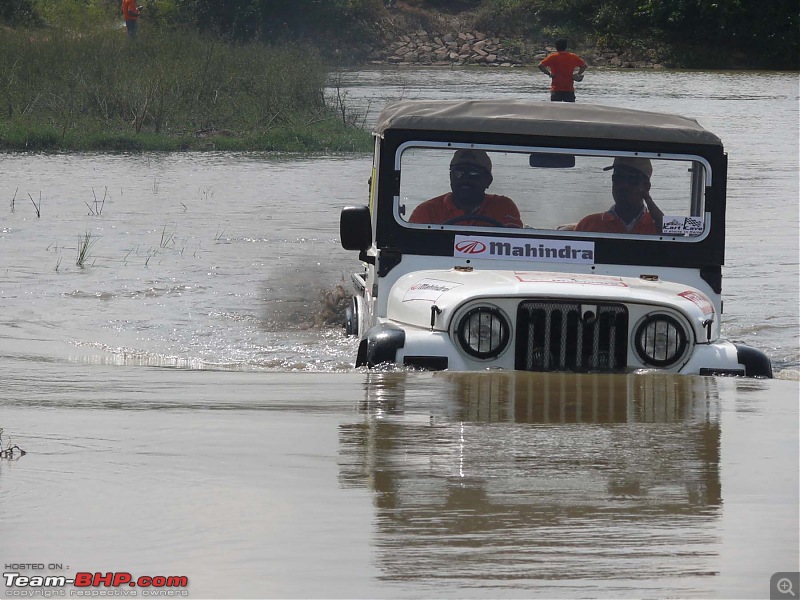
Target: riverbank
x: 61, y: 90
x: 328, y: 136
x: 411, y: 36
x: 167, y: 90
x: 416, y: 34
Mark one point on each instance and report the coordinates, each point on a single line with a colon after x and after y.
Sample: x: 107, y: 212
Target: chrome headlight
x: 660, y: 340
x: 483, y: 332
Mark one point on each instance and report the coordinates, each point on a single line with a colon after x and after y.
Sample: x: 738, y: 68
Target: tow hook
x: 707, y: 324
x: 435, y: 310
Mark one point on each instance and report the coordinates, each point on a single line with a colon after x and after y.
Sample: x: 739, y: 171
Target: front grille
x: 571, y: 336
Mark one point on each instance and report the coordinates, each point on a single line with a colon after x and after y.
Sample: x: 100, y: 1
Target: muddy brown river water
x: 188, y: 411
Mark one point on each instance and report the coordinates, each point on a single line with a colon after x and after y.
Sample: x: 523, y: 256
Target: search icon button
x: 784, y: 585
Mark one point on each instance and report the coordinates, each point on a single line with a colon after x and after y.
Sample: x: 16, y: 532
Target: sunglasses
x: 468, y: 171
x: 619, y: 176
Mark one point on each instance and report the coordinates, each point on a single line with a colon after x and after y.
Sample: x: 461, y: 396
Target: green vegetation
x: 86, y: 86
x: 699, y: 33
x: 250, y: 74
x: 317, y: 21
x: 85, y: 244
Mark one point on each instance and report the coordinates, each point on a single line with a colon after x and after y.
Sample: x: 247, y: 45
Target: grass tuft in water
x: 37, y: 207
x: 9, y: 451
x: 84, y: 245
x: 97, y: 210
x: 167, y: 238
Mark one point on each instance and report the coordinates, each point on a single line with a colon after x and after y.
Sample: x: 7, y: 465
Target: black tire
x: 351, y: 319
x: 756, y: 363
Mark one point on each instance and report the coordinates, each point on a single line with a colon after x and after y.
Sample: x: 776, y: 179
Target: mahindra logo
x: 470, y: 247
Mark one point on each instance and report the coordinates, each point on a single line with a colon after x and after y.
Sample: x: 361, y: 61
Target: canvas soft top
x: 556, y: 119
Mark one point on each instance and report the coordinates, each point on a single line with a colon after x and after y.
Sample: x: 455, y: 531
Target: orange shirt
x: 129, y: 10
x: 608, y: 222
x: 440, y: 209
x: 562, y: 65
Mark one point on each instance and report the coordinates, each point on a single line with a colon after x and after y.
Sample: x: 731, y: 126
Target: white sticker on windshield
x: 683, y: 225
x: 497, y: 248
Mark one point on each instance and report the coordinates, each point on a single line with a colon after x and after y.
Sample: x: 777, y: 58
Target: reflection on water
x: 403, y: 485
x: 529, y: 476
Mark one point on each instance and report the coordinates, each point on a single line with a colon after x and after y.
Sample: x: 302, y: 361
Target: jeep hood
x: 413, y: 295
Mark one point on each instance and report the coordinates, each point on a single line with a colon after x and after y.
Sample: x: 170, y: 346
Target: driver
x: 468, y: 203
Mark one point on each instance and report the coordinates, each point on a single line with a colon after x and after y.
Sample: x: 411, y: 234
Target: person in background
x: 560, y: 67
x: 634, y: 210
x: 130, y: 12
x: 468, y: 203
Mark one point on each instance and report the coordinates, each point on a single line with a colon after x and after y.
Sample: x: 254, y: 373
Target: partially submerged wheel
x: 351, y: 318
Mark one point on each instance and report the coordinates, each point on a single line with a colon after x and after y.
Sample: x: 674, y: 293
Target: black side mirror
x: 355, y: 228
x: 549, y: 160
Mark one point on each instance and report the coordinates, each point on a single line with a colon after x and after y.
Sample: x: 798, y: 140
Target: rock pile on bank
x: 625, y: 59
x: 461, y: 48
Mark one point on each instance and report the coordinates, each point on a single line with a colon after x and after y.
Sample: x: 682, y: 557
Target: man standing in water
x: 130, y: 12
x: 560, y: 67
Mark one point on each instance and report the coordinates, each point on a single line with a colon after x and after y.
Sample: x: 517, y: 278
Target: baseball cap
x: 470, y: 156
x: 632, y: 163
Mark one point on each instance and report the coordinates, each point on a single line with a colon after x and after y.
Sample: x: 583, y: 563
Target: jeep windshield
x: 572, y: 191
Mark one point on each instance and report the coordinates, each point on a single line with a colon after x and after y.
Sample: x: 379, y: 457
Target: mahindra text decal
x: 428, y: 289
x: 703, y: 303
x: 498, y: 248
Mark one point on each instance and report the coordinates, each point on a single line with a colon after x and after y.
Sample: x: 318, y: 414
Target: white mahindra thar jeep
x: 542, y: 236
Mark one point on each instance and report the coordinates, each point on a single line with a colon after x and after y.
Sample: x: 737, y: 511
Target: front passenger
x: 634, y: 210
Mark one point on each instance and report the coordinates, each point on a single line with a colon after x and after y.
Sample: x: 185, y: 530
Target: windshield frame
x: 701, y: 188
x: 391, y: 238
